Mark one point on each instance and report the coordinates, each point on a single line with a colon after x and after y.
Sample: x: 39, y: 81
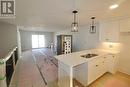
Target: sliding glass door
x: 38, y: 41
x: 34, y: 41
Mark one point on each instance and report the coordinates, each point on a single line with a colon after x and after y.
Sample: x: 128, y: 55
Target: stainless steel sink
x: 90, y: 55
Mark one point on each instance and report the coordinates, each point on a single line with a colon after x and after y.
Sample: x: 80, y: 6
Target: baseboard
x: 124, y: 72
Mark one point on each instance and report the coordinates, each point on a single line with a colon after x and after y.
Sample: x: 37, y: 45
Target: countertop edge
x: 104, y: 52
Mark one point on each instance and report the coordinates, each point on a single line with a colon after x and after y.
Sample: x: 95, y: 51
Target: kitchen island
x: 85, y: 70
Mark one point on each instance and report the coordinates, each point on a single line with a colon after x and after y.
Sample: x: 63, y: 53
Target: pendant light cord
x: 93, y: 18
x: 74, y: 17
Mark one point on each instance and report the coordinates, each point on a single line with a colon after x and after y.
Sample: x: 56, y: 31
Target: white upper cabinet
x: 109, y: 31
x: 125, y: 25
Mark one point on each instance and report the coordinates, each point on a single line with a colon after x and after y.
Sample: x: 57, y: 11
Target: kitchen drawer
x: 96, y: 60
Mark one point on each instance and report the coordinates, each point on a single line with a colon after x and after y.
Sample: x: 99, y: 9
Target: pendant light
x: 93, y: 26
x: 74, y: 25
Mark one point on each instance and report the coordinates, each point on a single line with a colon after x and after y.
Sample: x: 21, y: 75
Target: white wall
x: 8, y: 37
x: 124, y: 60
x: 19, y: 42
x: 83, y: 39
x: 26, y: 38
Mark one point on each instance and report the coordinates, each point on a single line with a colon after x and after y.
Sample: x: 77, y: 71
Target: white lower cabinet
x: 111, y: 63
x: 92, y: 70
x: 96, y: 68
x: 92, y: 74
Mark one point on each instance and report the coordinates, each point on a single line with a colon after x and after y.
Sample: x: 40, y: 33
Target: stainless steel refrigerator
x: 64, y: 44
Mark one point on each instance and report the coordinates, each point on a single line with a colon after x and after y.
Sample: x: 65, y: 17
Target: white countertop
x: 74, y: 59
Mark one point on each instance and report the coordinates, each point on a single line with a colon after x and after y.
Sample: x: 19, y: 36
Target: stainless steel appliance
x: 64, y: 44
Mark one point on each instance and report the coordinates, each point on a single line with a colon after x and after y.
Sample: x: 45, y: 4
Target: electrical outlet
x: 110, y: 46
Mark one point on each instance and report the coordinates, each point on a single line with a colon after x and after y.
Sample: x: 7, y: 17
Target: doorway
x: 38, y: 41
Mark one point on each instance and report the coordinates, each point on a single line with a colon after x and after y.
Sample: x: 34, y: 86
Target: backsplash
x: 110, y: 46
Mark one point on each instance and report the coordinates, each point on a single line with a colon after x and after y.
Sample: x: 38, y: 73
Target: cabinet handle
x: 104, y: 57
x: 103, y: 62
x: 96, y: 65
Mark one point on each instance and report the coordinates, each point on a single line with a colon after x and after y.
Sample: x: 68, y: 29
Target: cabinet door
x: 104, y: 66
x: 101, y: 67
x: 92, y: 70
x: 125, y: 25
x: 109, y: 31
x: 111, y: 63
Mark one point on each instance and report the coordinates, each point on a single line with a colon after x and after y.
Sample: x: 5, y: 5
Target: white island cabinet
x: 84, y: 70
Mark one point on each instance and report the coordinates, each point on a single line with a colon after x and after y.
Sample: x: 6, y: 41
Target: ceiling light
x: 114, y: 6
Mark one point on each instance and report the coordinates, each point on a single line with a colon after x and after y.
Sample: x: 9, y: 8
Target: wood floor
x: 109, y: 80
x: 38, y: 68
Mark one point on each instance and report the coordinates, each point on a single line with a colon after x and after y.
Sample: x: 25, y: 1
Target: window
x: 38, y: 41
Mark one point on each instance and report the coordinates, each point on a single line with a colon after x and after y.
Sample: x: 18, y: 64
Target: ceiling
x: 57, y: 14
